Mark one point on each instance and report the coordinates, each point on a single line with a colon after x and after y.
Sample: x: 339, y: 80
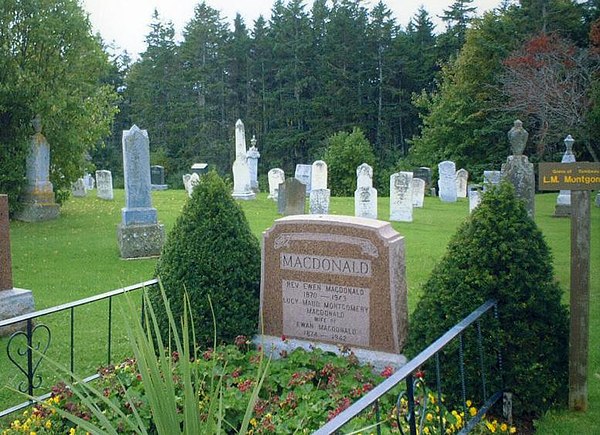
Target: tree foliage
x: 344, y: 153
x: 52, y: 65
x: 212, y: 252
x: 500, y: 254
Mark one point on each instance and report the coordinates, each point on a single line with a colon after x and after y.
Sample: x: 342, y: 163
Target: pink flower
x: 387, y: 372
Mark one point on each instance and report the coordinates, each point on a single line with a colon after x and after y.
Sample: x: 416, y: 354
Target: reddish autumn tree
x: 548, y: 82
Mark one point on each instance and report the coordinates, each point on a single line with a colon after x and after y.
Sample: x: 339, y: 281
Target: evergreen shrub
x: 211, y: 251
x: 345, y: 152
x: 499, y: 253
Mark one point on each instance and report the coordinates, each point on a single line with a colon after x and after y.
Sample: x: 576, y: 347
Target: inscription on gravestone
x: 335, y: 279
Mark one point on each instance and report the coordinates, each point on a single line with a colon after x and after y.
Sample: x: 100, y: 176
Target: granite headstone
x: 304, y: 174
x: 139, y: 233
x: 447, y: 181
x: 276, y: 177
x: 563, y: 201
x: 418, y: 194
x: 401, y: 193
x: 13, y: 301
x: 241, y: 171
x: 331, y: 281
x: 365, y: 196
x: 104, y: 185
x: 292, y: 197
x: 253, y: 156
x: 319, y: 193
x: 38, y: 202
x: 462, y: 180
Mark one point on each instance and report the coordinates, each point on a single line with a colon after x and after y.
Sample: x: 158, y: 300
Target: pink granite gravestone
x: 13, y: 301
x: 336, y: 281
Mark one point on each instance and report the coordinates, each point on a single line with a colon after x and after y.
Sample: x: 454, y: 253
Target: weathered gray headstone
x: 462, y: 179
x: 304, y: 174
x: 329, y: 281
x: 13, y: 301
x: 474, y: 196
x: 518, y: 170
x: 253, y: 156
x: 563, y: 201
x: 418, y: 195
x: 157, y: 178
x: 365, y: 196
x: 88, y: 181
x: 104, y: 185
x: 139, y: 233
x: 401, y: 193
x: 190, y: 181
x: 38, y: 198
x: 276, y: 177
x: 78, y: 188
x: 241, y: 171
x: 319, y: 194
x: 598, y: 199
x: 447, y: 181
x: 292, y: 197
x: 491, y: 178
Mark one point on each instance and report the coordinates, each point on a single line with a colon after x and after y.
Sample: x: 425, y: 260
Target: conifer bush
x: 499, y: 253
x: 211, y: 251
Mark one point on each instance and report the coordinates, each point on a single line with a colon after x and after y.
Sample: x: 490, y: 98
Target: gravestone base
x: 38, y: 212
x: 140, y: 241
x: 245, y: 196
x: 562, y: 210
x: 15, y: 302
x: 275, y: 346
x: 159, y: 187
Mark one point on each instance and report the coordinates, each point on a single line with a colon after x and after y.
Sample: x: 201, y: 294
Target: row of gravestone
x: 104, y: 183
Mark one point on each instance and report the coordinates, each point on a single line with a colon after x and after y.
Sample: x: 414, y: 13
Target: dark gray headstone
x: 157, y: 174
x: 423, y: 173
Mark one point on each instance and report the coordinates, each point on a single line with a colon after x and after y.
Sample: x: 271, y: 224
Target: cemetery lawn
x: 76, y: 256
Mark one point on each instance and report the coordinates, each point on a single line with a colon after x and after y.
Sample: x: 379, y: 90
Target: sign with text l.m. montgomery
x: 569, y: 176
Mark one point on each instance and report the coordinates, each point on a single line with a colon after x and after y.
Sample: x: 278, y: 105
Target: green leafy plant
x: 212, y: 251
x: 345, y: 152
x: 499, y: 253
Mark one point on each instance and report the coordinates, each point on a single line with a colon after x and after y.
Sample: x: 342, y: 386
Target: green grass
x: 77, y: 256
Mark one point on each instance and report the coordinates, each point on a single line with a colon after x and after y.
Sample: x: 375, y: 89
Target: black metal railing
x: 25, y: 348
x: 408, y: 374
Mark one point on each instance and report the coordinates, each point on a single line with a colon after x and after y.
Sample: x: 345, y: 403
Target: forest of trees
x: 420, y: 96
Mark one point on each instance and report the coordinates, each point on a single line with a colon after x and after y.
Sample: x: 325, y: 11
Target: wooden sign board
x: 569, y: 176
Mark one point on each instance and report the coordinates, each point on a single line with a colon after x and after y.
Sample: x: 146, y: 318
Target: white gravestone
x: 190, y: 181
x: 104, y: 185
x: 319, y: 194
x: 365, y: 196
x: 401, y: 205
x: 462, y: 178
x: 78, y: 188
x: 253, y: 156
x: 88, y: 181
x: 276, y: 177
x: 447, y: 181
x: 418, y: 186
x: 474, y: 197
x: 241, y: 172
x: 303, y: 174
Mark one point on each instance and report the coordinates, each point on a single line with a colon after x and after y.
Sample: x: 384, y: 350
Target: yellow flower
x: 253, y: 422
x: 48, y: 424
x: 490, y: 426
x: 513, y: 429
x: 32, y: 433
x: 72, y: 431
x: 429, y: 416
x: 469, y: 403
x: 473, y: 411
x: 503, y: 427
x: 426, y: 430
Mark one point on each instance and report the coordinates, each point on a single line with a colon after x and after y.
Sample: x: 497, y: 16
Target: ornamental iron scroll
x: 367, y: 247
x: 21, y: 356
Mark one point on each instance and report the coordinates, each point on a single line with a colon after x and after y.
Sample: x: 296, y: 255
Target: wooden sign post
x: 580, y: 178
